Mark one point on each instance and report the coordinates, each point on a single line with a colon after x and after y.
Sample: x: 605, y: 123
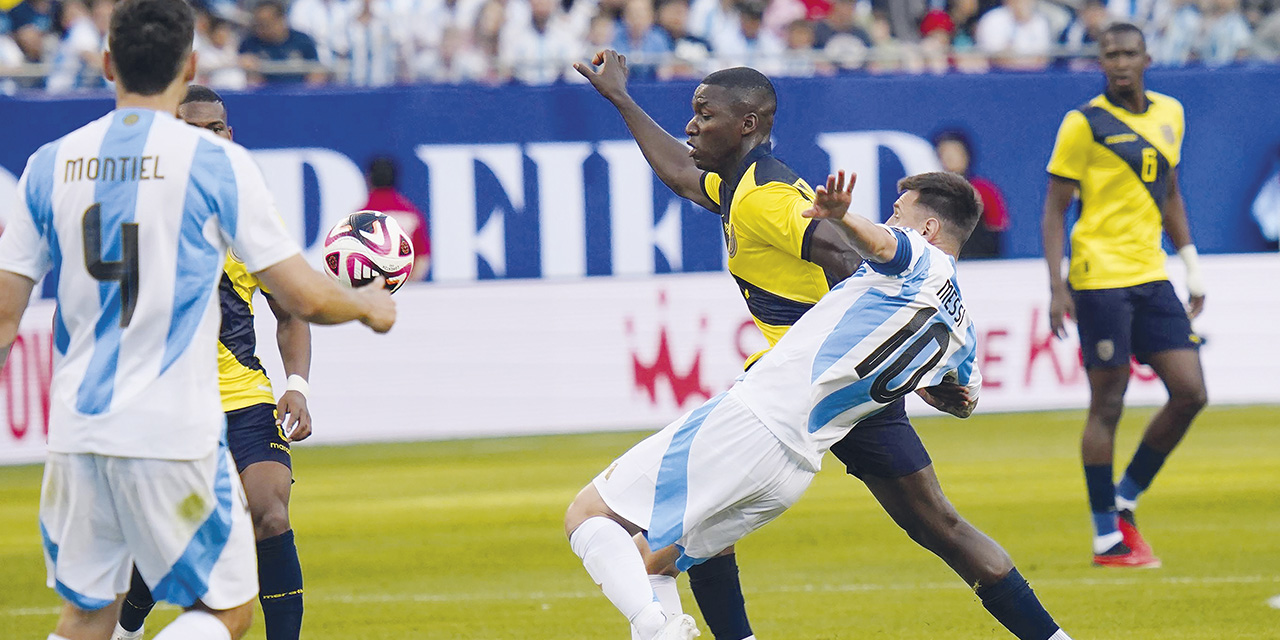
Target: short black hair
x: 201, y: 93
x: 950, y: 196
x: 1117, y: 28
x: 275, y: 5
x: 382, y: 172
x: 752, y: 90
x: 149, y: 40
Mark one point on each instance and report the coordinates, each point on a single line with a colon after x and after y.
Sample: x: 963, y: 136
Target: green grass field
x: 463, y: 540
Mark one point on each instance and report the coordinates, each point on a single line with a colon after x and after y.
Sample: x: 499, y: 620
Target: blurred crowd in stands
x: 56, y: 45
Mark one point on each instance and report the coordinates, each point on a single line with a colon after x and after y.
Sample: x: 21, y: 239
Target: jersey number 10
x: 124, y: 270
x: 938, y: 333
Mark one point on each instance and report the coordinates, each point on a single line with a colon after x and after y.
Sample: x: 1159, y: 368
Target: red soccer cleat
x: 1122, y: 556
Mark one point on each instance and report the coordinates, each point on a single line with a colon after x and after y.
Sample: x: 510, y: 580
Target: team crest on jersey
x: 731, y: 240
x: 1167, y: 131
x: 1106, y: 349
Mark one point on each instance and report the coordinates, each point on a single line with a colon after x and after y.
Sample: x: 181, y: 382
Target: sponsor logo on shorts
x: 1195, y: 339
x: 1106, y: 349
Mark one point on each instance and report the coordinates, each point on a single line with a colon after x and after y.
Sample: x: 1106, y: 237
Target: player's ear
x: 230, y: 135
x: 750, y: 123
x: 108, y: 66
x: 932, y: 227
x: 189, y: 68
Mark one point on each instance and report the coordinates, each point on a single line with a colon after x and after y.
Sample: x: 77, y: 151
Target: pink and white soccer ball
x: 367, y: 244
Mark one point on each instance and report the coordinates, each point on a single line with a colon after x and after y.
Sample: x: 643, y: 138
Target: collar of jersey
x: 1145, y: 94
x: 761, y: 150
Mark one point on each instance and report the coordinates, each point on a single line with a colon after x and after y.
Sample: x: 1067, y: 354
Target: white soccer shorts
x: 184, y: 523
x: 705, y: 481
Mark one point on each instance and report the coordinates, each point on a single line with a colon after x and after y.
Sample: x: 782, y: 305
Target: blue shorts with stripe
x: 253, y: 436
x: 1141, y: 320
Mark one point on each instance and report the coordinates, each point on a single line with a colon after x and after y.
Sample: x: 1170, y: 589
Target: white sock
x: 668, y: 596
x: 195, y: 625
x: 1060, y: 635
x: 1126, y: 505
x: 1102, y: 543
x: 613, y: 561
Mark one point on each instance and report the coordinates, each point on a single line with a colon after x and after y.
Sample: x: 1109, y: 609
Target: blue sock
x: 1146, y: 462
x: 137, y: 605
x: 280, y: 586
x: 1102, y: 498
x: 719, y: 594
x: 1015, y: 606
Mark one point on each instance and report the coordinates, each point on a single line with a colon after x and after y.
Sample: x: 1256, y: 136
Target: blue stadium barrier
x: 501, y: 154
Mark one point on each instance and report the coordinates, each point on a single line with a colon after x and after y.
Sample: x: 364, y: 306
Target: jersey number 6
x: 937, y: 333
x: 124, y: 270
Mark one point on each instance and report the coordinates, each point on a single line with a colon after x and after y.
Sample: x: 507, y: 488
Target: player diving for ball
x: 259, y: 429
x: 784, y: 263
x: 737, y: 462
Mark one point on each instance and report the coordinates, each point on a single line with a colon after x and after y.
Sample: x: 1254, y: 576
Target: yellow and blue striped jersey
x: 768, y: 240
x: 1122, y: 161
x: 241, y: 377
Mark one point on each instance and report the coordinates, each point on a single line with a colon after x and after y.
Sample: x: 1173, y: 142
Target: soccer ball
x: 367, y: 244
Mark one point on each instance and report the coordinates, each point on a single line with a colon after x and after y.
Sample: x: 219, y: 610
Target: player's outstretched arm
x: 1053, y: 232
x: 869, y: 239
x: 310, y: 295
x: 668, y: 156
x: 1178, y: 228
x: 293, y: 335
x: 15, y: 293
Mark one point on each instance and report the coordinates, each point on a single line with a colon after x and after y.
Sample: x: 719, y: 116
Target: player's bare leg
x: 75, y: 623
x: 202, y: 623
x: 267, y: 486
x: 716, y: 588
x: 603, y: 540
x: 1183, y: 378
x: 916, y: 503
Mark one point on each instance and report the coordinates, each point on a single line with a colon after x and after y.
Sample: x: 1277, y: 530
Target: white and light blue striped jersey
x: 886, y: 331
x: 133, y: 214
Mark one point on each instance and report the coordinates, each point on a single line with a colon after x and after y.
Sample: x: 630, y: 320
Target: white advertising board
x: 528, y: 357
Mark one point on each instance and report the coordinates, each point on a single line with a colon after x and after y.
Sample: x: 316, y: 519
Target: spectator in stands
x: 1176, y: 42
x: 955, y: 153
x: 10, y: 59
x: 690, y: 54
x: 324, y: 21
x: 1226, y: 36
x: 964, y: 17
x: 78, y: 63
x: 889, y: 54
x: 29, y: 22
x: 1083, y: 34
x: 759, y: 47
x: 639, y: 39
x: 1146, y: 14
x: 842, y: 20
x: 1016, y: 35
x: 218, y: 47
x: 367, y: 45
x: 800, y: 59
x: 540, y: 50
x: 488, y: 38
x: 903, y: 16
x: 454, y: 61
x: 384, y: 197
x: 273, y: 42
x: 717, y: 22
x: 1266, y: 40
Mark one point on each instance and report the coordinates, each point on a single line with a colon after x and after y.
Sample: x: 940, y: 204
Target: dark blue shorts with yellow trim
x: 883, y: 445
x: 1141, y: 320
x: 253, y: 436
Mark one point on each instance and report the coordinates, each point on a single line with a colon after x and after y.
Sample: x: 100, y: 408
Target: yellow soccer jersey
x: 1123, y: 163
x: 768, y: 241
x: 241, y: 378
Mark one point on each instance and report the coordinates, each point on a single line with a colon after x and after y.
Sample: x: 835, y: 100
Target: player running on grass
x: 737, y: 462
x: 784, y: 263
x: 133, y: 214
x: 259, y: 429
x: 1121, y: 152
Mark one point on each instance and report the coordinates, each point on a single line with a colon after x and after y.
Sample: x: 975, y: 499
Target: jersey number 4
x: 123, y: 271
x: 937, y: 333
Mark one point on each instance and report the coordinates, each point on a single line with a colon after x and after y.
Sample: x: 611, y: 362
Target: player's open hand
x: 949, y: 397
x: 293, y: 417
x: 380, y: 309
x: 832, y: 201
x: 1195, y: 306
x: 607, y: 73
x: 1061, y: 307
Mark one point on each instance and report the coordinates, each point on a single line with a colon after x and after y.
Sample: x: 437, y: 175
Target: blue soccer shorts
x: 253, y: 436
x: 883, y: 445
x: 1141, y: 320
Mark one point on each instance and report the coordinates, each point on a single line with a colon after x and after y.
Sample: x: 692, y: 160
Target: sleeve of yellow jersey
x: 711, y: 186
x: 1071, y: 151
x: 771, y: 214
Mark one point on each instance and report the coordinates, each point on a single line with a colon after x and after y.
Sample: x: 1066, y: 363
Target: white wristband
x: 1191, y: 258
x: 299, y: 384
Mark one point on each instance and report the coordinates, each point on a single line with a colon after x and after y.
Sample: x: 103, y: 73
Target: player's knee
x: 237, y: 620
x: 655, y: 566
x: 270, y: 520
x: 1189, y: 402
x: 583, y: 507
x: 1106, y: 408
